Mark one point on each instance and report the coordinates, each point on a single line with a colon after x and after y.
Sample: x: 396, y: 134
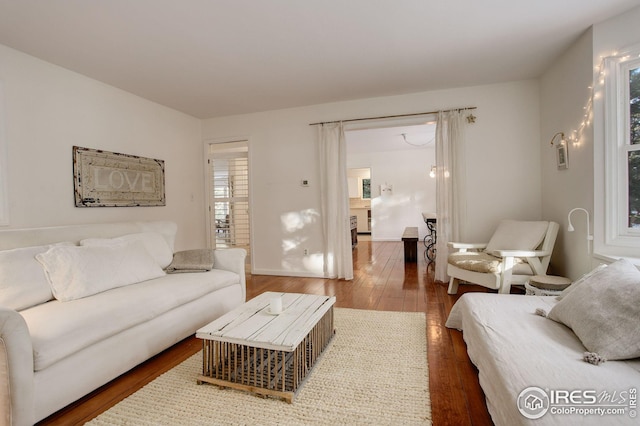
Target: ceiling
x: 422, y: 136
x: 211, y: 58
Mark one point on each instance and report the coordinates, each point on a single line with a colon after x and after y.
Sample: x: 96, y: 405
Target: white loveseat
x: 53, y: 352
x: 520, y: 353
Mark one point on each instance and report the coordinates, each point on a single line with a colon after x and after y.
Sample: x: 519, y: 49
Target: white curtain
x: 450, y: 186
x: 338, y: 260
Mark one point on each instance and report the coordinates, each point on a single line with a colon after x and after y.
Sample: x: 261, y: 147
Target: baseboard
x: 301, y: 274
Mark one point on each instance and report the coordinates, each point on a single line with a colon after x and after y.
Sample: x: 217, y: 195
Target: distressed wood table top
x: 253, y: 324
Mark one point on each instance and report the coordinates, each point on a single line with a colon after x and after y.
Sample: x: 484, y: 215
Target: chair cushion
x: 517, y: 235
x: 486, y: 263
x: 475, y: 261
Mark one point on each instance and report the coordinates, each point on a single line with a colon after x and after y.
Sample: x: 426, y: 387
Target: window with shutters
x: 229, y: 195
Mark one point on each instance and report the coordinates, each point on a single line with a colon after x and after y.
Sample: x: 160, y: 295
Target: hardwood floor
x: 382, y: 281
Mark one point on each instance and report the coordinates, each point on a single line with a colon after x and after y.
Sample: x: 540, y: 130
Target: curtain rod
x: 390, y: 116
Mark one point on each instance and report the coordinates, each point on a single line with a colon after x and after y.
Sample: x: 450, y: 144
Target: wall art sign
x: 109, y: 179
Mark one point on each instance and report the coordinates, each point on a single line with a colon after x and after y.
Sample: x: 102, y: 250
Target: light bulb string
x: 594, y: 93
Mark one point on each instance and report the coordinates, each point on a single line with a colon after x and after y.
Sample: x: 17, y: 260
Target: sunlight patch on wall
x: 296, y: 255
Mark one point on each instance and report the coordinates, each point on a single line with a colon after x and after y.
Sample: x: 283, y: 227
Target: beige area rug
x: 374, y: 372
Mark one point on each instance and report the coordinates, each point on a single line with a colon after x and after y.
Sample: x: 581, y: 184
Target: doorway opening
x: 228, y: 196
x: 399, y: 158
x: 359, y: 183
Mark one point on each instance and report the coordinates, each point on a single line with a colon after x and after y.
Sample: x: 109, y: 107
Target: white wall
x: 49, y: 109
x: 413, y: 192
x: 503, y: 169
x: 564, y: 93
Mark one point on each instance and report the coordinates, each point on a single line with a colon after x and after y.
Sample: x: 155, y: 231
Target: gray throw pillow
x: 604, y: 312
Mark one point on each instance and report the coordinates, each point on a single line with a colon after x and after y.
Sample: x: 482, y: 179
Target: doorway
x: 399, y: 159
x: 228, y: 196
x: 359, y: 183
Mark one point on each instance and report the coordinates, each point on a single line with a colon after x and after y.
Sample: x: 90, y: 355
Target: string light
x: 575, y: 135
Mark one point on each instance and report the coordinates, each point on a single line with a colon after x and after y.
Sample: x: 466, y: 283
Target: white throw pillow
x: 604, y: 312
x: 22, y: 281
x: 76, y: 272
x: 580, y: 280
x: 517, y: 235
x: 154, y: 242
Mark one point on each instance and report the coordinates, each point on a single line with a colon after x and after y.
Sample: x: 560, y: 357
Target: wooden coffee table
x: 271, y: 355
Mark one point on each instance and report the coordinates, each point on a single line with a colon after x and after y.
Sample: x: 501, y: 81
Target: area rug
x: 374, y: 372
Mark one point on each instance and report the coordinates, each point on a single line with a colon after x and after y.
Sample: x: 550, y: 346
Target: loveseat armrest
x: 232, y: 260
x: 466, y: 246
x: 16, y: 370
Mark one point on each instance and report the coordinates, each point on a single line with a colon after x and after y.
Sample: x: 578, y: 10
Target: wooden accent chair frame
x: 517, y: 250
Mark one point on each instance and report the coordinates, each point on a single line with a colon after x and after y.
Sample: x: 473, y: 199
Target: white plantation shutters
x: 229, y: 199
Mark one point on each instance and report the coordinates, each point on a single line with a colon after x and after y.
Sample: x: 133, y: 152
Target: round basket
x: 546, y: 285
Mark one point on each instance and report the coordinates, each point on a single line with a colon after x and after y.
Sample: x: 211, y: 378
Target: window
x: 634, y: 154
x: 622, y: 148
x: 366, y: 189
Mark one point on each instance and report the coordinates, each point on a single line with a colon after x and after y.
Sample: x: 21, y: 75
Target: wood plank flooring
x: 382, y: 281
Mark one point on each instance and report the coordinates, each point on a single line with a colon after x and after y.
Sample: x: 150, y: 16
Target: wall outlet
x: 306, y: 252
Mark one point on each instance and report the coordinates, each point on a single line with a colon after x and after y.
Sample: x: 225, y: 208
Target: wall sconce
x: 570, y: 228
x: 432, y: 173
x: 562, y: 140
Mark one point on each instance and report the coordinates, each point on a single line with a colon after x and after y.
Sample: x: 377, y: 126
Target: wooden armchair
x: 517, y: 250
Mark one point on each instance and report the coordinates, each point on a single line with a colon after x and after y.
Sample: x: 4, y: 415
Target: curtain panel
x: 450, y: 186
x: 336, y: 230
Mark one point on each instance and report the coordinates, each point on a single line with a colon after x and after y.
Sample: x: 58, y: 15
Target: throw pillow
x: 603, y: 312
x: 154, y: 242
x: 80, y: 271
x: 580, y: 280
x: 22, y: 281
x: 197, y: 260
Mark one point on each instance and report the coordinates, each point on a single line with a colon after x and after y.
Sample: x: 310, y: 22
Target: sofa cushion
x: 79, y: 271
x: 154, y: 242
x: 517, y: 235
x: 59, y: 329
x: 22, y: 280
x: 603, y: 311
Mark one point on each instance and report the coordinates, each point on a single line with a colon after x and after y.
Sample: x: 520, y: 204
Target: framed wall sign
x: 109, y: 179
x: 562, y: 160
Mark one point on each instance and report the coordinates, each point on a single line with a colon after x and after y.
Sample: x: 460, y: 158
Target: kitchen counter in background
x: 362, y: 210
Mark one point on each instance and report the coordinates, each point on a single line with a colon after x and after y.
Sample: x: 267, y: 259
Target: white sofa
x: 53, y: 352
x: 516, y: 348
